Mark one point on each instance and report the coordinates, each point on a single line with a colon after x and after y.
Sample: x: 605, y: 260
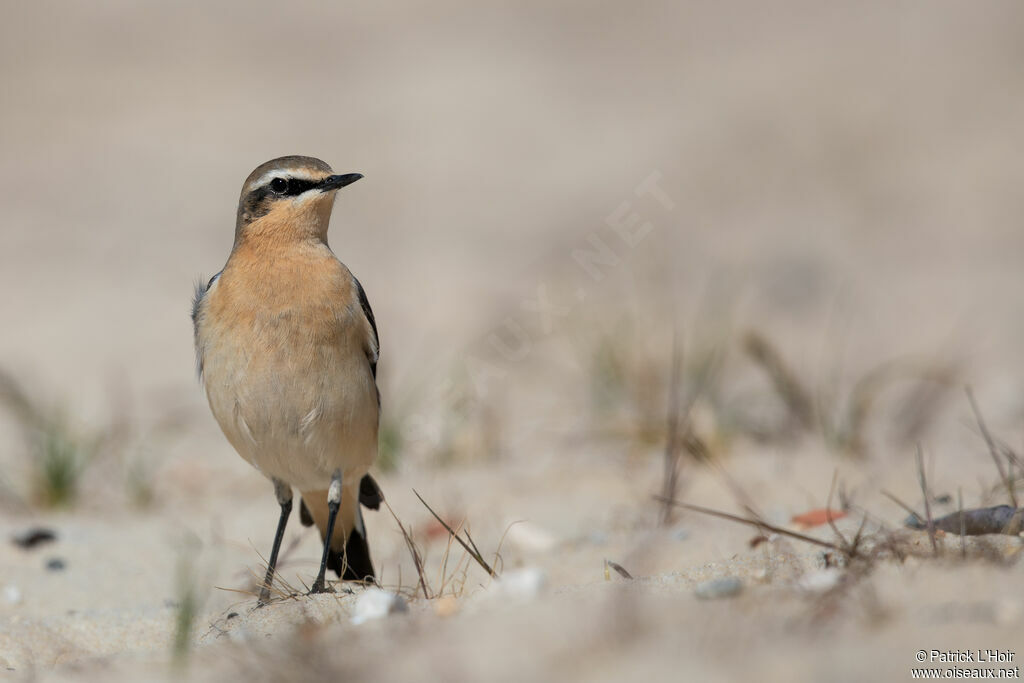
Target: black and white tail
x: 353, y: 563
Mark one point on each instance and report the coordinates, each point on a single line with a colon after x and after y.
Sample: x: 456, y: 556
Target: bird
x: 286, y: 349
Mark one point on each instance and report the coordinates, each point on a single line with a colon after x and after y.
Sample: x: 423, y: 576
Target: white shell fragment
x: 520, y: 584
x: 530, y: 537
x: 820, y: 581
x: 12, y: 594
x: 375, y: 603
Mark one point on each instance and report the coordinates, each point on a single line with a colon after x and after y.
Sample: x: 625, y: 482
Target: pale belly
x: 295, y: 408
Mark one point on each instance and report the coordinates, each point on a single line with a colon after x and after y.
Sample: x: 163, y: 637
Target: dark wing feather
x: 370, y: 494
x: 364, y: 303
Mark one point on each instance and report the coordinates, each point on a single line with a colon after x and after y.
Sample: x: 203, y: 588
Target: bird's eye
x: 279, y: 185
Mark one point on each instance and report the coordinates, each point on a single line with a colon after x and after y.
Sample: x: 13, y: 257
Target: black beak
x: 336, y: 182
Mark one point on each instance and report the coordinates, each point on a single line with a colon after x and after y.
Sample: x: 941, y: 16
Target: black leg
x: 333, y: 503
x: 284, y: 498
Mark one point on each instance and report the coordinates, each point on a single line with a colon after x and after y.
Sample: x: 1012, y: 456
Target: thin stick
x: 992, y: 449
x: 924, y: 492
x: 476, y: 555
x: 753, y: 523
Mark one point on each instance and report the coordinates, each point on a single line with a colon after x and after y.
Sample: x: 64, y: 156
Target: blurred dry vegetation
x: 624, y: 258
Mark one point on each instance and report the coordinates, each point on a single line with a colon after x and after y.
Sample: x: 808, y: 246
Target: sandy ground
x: 551, y: 189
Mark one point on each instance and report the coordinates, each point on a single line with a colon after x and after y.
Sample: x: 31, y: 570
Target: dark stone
x: 30, y: 538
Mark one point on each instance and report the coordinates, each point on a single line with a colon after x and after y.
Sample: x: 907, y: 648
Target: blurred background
x: 816, y: 209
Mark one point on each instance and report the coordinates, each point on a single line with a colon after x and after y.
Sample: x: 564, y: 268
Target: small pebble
x: 30, y: 538
x: 12, y: 594
x: 718, y: 588
x: 232, y: 615
x: 446, y: 606
x: 375, y: 603
x: 55, y: 564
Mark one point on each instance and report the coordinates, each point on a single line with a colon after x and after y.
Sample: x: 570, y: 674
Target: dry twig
x: 469, y: 547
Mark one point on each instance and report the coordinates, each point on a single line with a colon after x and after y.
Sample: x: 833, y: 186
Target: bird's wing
x: 364, y: 303
x: 370, y: 494
x: 197, y: 300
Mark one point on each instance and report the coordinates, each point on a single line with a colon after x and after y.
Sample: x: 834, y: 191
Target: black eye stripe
x: 297, y: 186
x: 258, y: 202
x: 291, y: 187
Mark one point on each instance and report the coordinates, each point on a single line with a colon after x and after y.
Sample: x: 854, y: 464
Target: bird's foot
x: 320, y: 586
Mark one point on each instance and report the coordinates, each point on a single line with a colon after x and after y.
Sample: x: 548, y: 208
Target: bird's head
x: 289, y: 196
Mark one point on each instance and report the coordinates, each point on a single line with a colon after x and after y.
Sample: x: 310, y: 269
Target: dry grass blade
x: 501, y: 541
x: 793, y: 394
x: 741, y: 496
x: 468, y: 547
x: 858, y: 537
x: 764, y: 526
x: 927, y: 504
x: 471, y: 542
x: 679, y: 427
x: 671, y: 476
x: 1012, y: 459
x: 828, y: 511
x: 280, y: 588
x: 417, y: 559
x: 444, y: 566
x: 992, y: 448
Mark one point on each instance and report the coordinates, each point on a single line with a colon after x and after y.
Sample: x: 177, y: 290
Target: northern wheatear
x: 286, y: 346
